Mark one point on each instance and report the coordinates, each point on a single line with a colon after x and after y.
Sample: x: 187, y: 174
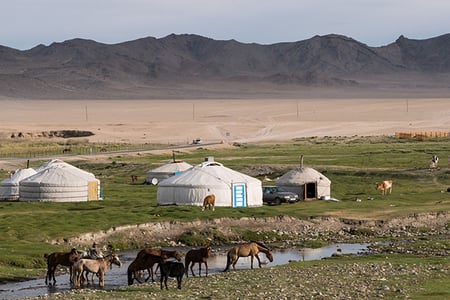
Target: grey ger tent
x: 57, y: 181
x: 307, y: 183
x: 165, y: 171
x: 231, y: 188
x: 9, y: 188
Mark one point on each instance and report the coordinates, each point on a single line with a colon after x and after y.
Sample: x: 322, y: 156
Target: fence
x: 420, y: 135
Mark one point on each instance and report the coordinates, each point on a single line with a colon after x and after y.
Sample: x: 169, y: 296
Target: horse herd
x: 167, y: 261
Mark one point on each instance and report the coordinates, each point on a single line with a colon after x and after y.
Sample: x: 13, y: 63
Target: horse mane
x: 261, y: 244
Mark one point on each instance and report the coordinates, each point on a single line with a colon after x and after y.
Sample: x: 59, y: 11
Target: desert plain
x: 226, y: 120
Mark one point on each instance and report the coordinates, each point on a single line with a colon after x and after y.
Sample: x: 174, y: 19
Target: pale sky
x: 28, y: 23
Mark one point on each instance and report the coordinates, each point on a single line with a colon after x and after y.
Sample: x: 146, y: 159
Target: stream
x: 116, y: 277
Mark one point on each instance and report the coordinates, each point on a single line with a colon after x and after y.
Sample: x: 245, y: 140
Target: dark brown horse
x: 171, y: 269
x: 250, y: 249
x: 142, y: 262
x: 197, y: 256
x: 60, y: 258
x: 165, y: 254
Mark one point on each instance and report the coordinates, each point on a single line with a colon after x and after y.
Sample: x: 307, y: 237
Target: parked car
x: 275, y: 195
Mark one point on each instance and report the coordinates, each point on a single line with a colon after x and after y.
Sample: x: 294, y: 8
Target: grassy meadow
x: 353, y: 165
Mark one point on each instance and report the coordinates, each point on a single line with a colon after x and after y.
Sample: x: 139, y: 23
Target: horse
x: 172, y: 269
x: 134, y: 178
x: 97, y: 266
x: 60, y: 258
x: 142, y: 261
x: 197, y: 256
x: 249, y: 249
x: 165, y: 254
x: 209, y: 202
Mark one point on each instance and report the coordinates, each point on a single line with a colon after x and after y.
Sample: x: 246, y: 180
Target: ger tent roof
x: 59, y: 182
x: 165, y: 171
x: 9, y: 188
x: 230, y: 187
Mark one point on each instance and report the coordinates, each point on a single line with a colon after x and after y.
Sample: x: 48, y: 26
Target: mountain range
x: 192, y: 66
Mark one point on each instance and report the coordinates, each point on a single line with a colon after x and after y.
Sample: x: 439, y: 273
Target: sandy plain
x: 181, y: 121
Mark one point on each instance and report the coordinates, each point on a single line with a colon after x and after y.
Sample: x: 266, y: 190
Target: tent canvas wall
x: 165, y: 171
x: 231, y: 188
x: 60, y: 182
x: 9, y: 188
x: 306, y: 182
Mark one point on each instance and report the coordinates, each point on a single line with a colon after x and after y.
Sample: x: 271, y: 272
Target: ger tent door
x: 239, y: 191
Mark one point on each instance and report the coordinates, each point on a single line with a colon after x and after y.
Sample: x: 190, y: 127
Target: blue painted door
x: 239, y: 195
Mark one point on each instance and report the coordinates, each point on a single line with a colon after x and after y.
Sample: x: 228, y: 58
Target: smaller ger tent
x: 307, y: 183
x: 9, y: 188
x: 165, y: 171
x: 231, y: 188
x: 58, y: 181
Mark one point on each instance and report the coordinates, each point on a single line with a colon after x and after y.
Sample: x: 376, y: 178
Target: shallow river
x: 116, y: 277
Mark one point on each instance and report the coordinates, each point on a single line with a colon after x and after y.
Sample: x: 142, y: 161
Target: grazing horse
x: 250, y: 249
x: 165, y: 254
x: 142, y: 262
x: 197, y: 256
x: 209, y: 202
x: 172, y: 269
x: 97, y: 266
x: 60, y: 258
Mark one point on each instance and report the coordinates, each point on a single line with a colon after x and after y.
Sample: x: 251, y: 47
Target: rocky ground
x: 282, y: 228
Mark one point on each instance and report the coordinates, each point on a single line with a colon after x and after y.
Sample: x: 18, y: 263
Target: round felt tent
x: 60, y: 182
x: 231, y: 188
x: 165, y: 171
x: 307, y: 183
x: 9, y: 188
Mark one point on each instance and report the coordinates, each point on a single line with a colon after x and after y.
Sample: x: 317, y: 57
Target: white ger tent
x: 9, y: 188
x: 58, y: 181
x: 165, y: 171
x: 231, y: 188
x: 306, y: 182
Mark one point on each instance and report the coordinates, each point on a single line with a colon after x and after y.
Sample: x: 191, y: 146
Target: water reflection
x: 116, y: 277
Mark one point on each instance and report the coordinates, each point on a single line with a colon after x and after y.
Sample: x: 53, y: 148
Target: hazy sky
x: 27, y: 23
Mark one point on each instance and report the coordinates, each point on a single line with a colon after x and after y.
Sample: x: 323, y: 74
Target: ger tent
x: 165, y: 171
x: 60, y: 182
x: 231, y: 188
x: 9, y: 188
x: 307, y: 183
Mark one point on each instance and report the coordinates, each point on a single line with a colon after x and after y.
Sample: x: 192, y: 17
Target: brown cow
x: 385, y: 187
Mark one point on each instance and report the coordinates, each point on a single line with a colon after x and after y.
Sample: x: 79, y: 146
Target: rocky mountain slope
x: 191, y: 66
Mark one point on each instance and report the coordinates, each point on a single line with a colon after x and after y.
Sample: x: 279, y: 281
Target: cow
x: 385, y: 187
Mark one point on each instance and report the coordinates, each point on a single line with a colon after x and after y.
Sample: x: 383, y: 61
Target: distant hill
x: 192, y: 66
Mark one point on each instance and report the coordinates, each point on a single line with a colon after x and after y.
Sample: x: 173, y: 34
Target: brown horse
x: 209, y: 202
x: 97, y: 266
x: 172, y: 269
x: 165, y: 254
x: 250, y: 249
x: 197, y: 256
x: 142, y: 262
x: 60, y: 258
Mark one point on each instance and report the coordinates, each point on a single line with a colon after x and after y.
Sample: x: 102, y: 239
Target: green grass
x: 352, y: 164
